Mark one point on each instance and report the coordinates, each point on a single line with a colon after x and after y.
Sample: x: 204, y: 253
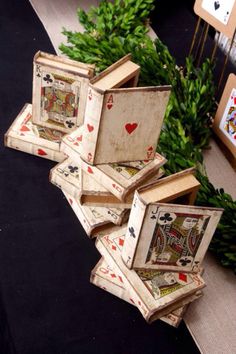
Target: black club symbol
x: 184, y: 261
x: 131, y: 230
x: 73, y: 169
x: 70, y: 124
x: 48, y: 79
x: 166, y: 218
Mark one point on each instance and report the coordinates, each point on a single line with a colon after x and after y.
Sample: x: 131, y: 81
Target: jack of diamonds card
x: 228, y: 121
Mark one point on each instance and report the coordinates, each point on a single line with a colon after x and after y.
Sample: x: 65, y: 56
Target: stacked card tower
x: 104, y: 133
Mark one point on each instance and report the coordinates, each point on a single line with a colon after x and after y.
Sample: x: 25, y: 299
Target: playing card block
x: 94, y: 194
x: 155, y: 293
x: 220, y: 14
x: 69, y: 176
x: 108, y: 278
x: 95, y: 220
x: 119, y: 178
x: 128, y: 120
x: 25, y: 136
x: 60, y: 88
x: 165, y: 236
x: 225, y: 119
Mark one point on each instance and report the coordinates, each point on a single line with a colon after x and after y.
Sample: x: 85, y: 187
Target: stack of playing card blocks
x: 109, y: 166
x: 58, y: 104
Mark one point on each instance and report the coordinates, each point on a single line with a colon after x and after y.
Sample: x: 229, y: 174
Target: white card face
x: 228, y: 121
x: 220, y: 9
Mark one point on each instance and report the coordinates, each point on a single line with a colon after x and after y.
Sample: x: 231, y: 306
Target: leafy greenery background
x: 115, y: 29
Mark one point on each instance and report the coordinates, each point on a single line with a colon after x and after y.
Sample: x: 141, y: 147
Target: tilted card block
x: 84, y: 187
x: 95, y: 220
x: 155, y: 293
x: 25, y: 136
x: 109, y: 278
x: 119, y: 178
x: 167, y: 236
x: 59, y: 91
x: 69, y: 177
x: 121, y: 124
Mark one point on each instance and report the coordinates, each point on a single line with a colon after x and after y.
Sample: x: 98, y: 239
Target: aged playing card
x: 108, y: 277
x: 134, y: 120
x: 152, y: 290
x: 28, y: 137
x: 228, y: 122
x: 59, y: 91
x: 220, y: 9
x: 59, y: 99
x: 169, y: 236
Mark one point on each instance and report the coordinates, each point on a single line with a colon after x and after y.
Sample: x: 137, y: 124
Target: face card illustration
x: 176, y: 238
x: 219, y: 9
x: 129, y: 169
x: 161, y: 284
x: 228, y: 122
x: 169, y: 237
x: 59, y: 99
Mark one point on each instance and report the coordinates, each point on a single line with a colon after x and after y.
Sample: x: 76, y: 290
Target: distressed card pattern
x: 225, y: 119
x: 25, y: 136
x: 156, y: 293
x: 228, y: 122
x: 69, y: 176
x: 120, y: 178
x: 124, y: 125
x: 178, y: 188
x: 170, y: 236
x: 107, y: 277
x: 94, y: 220
x: 59, y: 91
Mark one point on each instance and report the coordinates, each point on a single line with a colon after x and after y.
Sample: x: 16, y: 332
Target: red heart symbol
x: 24, y: 128
x: 130, y: 127
x: 150, y: 148
x: 41, y: 152
x: 90, y: 170
x: 80, y: 138
x: 109, y: 105
x: 90, y: 128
